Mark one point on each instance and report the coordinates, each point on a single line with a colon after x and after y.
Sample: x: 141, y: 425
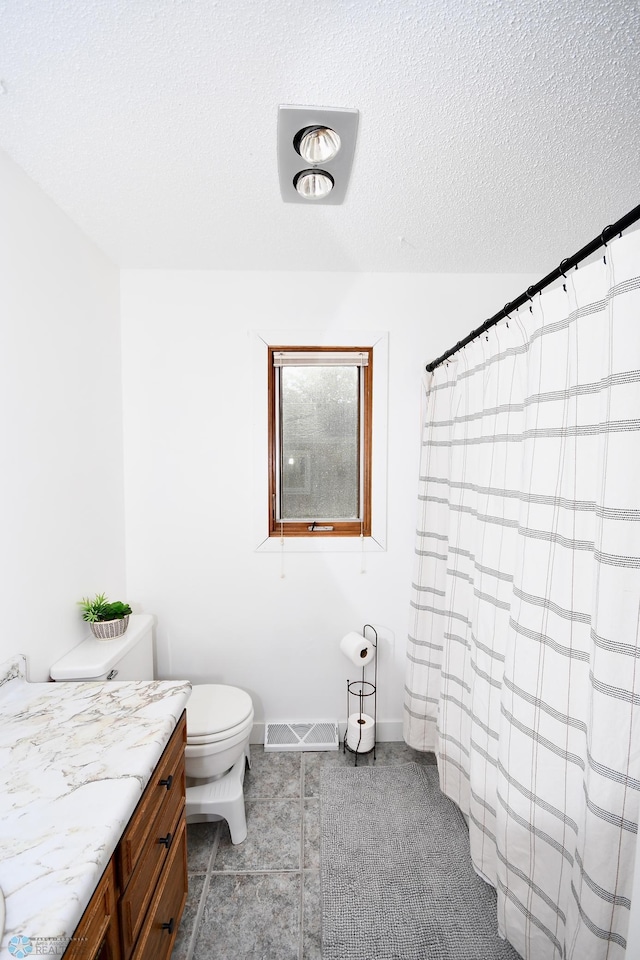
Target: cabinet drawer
x: 167, y: 781
x: 155, y: 855
x: 163, y: 919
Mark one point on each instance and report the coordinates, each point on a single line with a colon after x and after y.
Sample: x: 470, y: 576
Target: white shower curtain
x: 523, y: 658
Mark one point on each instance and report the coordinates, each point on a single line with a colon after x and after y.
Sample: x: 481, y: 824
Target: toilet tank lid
x: 92, y: 658
x: 213, y: 708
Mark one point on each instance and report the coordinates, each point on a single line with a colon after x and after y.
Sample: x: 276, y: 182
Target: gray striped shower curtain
x: 523, y: 671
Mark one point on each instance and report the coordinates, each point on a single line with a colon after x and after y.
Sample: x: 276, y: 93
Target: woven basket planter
x: 109, y: 629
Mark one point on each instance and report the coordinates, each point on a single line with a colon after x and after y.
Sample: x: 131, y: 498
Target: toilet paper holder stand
x: 361, y: 690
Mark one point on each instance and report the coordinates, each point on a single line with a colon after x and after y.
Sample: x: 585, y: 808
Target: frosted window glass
x: 319, y: 443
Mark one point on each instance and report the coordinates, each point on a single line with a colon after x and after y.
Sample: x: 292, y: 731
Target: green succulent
x: 100, y: 609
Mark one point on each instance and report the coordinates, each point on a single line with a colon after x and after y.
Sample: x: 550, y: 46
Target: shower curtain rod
x: 607, y: 234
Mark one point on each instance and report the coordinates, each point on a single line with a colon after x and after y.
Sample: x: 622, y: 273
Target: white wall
x: 224, y: 613
x: 61, y: 492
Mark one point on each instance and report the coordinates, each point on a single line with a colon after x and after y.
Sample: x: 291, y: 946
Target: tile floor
x: 260, y: 900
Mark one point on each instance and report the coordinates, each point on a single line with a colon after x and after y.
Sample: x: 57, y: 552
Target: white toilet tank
x: 129, y: 657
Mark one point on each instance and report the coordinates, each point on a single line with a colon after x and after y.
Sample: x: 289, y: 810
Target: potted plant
x: 107, y: 619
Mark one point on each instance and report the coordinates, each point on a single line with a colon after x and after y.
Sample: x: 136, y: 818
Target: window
x: 320, y: 430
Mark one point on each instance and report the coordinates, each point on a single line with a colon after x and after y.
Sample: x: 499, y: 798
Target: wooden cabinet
x: 96, y: 936
x: 136, y: 909
x: 159, y: 932
x: 144, y: 853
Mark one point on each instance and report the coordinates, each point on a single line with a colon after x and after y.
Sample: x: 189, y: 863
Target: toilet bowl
x: 219, y: 722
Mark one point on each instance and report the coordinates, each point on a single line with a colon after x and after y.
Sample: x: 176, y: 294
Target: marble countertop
x: 76, y: 758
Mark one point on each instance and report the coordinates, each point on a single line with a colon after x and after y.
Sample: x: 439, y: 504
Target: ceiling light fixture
x: 316, y: 146
x: 313, y: 184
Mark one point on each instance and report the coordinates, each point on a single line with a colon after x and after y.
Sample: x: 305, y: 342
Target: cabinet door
x: 96, y: 936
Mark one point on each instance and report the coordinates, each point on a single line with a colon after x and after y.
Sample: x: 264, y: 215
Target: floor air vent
x: 301, y: 736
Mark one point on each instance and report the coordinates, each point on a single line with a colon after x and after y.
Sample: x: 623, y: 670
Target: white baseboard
x: 387, y: 731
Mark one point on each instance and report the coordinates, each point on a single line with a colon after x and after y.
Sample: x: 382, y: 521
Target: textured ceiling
x: 495, y: 135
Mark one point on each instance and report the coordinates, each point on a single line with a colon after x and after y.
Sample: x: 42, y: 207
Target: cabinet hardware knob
x: 167, y: 783
x: 166, y: 840
x: 168, y: 926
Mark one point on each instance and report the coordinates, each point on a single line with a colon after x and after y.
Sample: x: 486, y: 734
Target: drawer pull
x: 169, y: 926
x: 167, y: 783
x: 166, y: 840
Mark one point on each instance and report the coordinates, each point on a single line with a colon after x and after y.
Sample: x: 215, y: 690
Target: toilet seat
x: 240, y: 728
x: 217, y: 712
x: 208, y: 747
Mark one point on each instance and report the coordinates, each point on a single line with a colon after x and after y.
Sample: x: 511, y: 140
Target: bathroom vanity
x: 138, y: 903
x: 92, y: 831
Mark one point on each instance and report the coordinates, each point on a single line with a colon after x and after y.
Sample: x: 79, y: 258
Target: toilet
x: 219, y: 722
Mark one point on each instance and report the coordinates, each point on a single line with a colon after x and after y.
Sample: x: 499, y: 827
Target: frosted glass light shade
x: 313, y: 184
x: 317, y: 144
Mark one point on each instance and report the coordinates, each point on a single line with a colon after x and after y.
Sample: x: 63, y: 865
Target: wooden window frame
x: 340, y: 528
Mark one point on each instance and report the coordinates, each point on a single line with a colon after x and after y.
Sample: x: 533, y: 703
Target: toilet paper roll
x: 358, y: 649
x: 361, y: 732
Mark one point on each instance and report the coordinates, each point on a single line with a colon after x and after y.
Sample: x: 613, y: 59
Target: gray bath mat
x: 396, y: 876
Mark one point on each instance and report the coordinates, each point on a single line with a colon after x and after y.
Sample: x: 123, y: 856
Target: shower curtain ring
x: 603, y: 238
x: 530, y: 294
x: 603, y: 235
